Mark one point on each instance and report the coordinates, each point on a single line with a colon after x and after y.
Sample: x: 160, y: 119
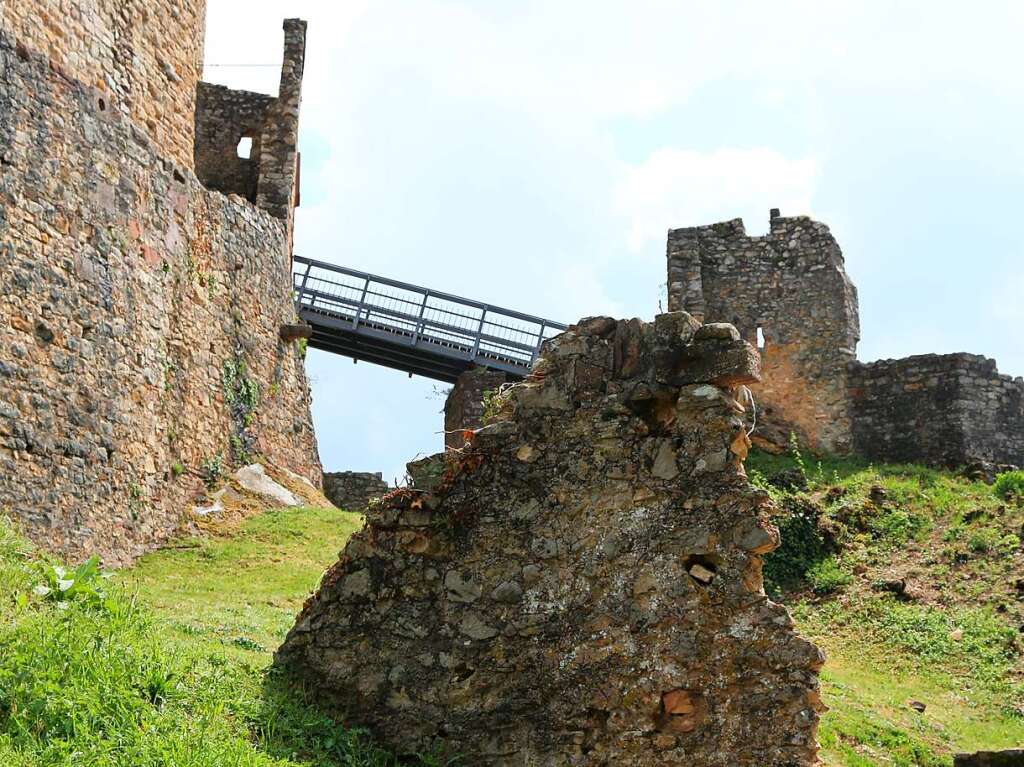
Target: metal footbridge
x: 410, y: 328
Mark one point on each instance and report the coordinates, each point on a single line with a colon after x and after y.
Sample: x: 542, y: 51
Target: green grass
x: 953, y: 643
x: 172, y: 667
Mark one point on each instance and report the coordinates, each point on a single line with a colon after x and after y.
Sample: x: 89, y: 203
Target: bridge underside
x: 413, y: 329
x: 362, y: 344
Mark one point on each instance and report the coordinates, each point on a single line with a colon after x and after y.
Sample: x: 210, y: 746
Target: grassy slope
x: 173, y: 670
x: 953, y: 644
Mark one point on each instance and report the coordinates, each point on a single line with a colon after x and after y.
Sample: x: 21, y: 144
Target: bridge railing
x: 408, y: 314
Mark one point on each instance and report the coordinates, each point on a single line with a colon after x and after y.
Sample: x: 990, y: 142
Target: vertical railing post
x: 540, y: 341
x: 362, y: 303
x: 419, y: 320
x: 479, y: 332
x: 302, y: 287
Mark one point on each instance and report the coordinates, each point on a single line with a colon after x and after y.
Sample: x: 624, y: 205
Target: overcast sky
x: 533, y: 155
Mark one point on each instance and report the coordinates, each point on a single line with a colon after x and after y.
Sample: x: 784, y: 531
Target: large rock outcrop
x: 584, y: 587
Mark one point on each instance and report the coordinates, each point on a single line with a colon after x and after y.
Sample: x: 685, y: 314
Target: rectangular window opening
x: 245, y: 147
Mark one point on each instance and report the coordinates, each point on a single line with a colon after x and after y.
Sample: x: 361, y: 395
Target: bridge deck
x: 410, y: 328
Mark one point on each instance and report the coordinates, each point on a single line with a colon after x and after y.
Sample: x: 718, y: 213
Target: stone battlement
x: 353, y: 490
x: 268, y: 177
x: 947, y: 409
x: 786, y: 292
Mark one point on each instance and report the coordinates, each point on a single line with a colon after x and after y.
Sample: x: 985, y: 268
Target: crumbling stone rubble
x: 584, y: 586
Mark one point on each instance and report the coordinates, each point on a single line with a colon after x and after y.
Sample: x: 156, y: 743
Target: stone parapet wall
x: 584, y: 585
x: 139, y: 319
x: 138, y: 58
x: 791, y: 286
x: 352, y: 490
x: 947, y: 409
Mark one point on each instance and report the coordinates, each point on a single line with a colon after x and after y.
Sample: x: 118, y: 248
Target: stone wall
x: 464, y: 406
x: 223, y: 117
x: 139, y: 324
x: 352, y: 490
x: 139, y: 58
x: 269, y: 177
x: 584, y: 587
x: 791, y: 286
x: 947, y: 409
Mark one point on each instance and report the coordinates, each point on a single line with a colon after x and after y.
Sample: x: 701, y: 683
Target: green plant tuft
x: 212, y: 469
x: 1010, y: 486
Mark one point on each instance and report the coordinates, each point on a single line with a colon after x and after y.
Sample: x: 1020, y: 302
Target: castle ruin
x: 788, y: 292
x: 145, y: 273
x: 584, y: 585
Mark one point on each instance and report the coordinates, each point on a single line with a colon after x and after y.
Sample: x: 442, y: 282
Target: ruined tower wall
x: 584, y: 586
x: 139, y: 319
x: 269, y: 177
x: 791, y: 284
x: 223, y: 117
x: 945, y: 409
x: 139, y: 58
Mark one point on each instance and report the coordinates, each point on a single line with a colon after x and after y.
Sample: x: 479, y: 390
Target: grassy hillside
x: 166, y: 663
x: 912, y: 581
x: 907, y: 577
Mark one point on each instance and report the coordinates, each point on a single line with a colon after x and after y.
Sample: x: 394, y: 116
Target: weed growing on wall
x: 241, y: 395
x: 212, y: 469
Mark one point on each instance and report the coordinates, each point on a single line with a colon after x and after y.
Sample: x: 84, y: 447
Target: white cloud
x: 681, y: 187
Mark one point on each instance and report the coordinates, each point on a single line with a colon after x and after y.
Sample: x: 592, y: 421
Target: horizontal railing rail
x: 399, y: 313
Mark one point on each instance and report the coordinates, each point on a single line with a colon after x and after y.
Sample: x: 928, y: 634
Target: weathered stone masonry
x: 584, y: 588
x: 139, y: 321
x: 269, y: 176
x: 464, y: 405
x: 139, y: 59
x: 353, y: 490
x: 792, y: 286
x: 946, y: 409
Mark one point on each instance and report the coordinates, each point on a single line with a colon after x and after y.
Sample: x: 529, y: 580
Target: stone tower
x: 141, y: 304
x: 788, y: 293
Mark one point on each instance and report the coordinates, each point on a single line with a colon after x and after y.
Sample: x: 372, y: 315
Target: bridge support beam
x: 464, y: 408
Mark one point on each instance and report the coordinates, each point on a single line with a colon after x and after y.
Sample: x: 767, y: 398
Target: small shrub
x: 897, y: 526
x: 493, y: 400
x: 302, y: 345
x: 804, y: 545
x: 828, y: 576
x: 240, y: 392
x: 212, y: 468
x: 989, y: 539
x: 1010, y: 486
x: 177, y: 469
x: 798, y: 458
x: 238, y: 452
